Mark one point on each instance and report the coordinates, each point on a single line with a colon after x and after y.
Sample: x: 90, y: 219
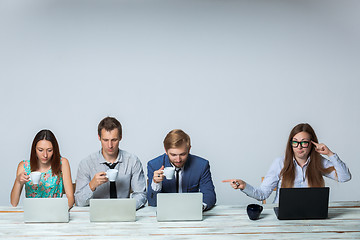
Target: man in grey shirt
x: 91, y: 181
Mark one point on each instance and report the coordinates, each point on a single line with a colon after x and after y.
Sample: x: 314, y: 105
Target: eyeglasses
x: 304, y: 144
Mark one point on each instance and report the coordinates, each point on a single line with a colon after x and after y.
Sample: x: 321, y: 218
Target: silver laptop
x: 113, y: 210
x: 179, y: 207
x: 46, y: 210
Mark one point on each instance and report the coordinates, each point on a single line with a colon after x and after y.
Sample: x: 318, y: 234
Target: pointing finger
x: 229, y: 180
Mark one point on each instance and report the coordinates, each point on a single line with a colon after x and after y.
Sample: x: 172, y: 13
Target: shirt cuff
x: 248, y: 190
x: 204, y: 206
x: 156, y: 186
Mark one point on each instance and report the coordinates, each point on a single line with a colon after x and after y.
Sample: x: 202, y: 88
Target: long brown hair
x: 55, y: 159
x: 314, y: 170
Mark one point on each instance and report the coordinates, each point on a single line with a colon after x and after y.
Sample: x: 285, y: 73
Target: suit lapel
x: 186, y: 175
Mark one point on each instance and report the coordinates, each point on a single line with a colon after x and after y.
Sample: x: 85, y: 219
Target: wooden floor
x: 222, y: 222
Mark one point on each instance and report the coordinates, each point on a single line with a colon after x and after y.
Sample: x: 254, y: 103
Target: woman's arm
x: 69, y: 189
x: 270, y: 182
x: 342, y: 173
x: 20, y: 180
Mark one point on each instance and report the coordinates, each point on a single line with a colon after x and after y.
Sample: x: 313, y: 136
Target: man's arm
x: 83, y: 193
x: 151, y: 194
x: 207, y: 188
x: 138, y: 184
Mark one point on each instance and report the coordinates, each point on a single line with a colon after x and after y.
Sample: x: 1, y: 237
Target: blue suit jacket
x: 196, y: 177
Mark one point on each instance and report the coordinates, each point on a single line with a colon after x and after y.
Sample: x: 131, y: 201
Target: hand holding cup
x: 159, y: 175
x: 23, y: 178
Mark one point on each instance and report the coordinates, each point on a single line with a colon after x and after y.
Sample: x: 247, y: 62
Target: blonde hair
x: 176, y: 138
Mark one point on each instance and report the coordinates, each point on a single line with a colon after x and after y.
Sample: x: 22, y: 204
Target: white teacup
x: 169, y: 172
x: 111, y: 174
x: 35, y: 177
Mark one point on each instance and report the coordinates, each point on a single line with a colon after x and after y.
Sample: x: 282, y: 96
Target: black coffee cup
x: 253, y: 211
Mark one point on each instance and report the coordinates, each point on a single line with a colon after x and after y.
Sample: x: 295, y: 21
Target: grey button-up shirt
x: 130, y: 179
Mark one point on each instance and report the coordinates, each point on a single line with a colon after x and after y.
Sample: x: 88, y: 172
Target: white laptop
x: 46, y: 210
x: 179, y: 207
x: 113, y: 210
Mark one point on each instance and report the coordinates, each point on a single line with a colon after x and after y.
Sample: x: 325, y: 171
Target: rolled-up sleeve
x: 341, y: 173
x: 138, y: 184
x: 83, y: 193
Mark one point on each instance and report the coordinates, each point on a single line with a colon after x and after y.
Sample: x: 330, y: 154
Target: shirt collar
x: 103, y: 160
x: 307, y: 161
x: 181, y: 169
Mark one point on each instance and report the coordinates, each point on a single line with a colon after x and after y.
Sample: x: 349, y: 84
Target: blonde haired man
x: 192, y: 172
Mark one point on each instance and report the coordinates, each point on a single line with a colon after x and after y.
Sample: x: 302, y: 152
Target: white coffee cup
x: 35, y: 177
x: 169, y: 172
x: 111, y: 174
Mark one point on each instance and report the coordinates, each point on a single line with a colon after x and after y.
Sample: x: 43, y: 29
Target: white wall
x: 235, y: 75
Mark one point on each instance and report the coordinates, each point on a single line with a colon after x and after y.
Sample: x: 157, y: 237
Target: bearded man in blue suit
x: 192, y: 172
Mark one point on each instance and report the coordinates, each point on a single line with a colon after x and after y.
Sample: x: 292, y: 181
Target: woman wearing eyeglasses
x: 302, y: 166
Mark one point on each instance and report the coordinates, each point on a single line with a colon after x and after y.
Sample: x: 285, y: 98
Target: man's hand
x: 98, y: 179
x: 159, y: 175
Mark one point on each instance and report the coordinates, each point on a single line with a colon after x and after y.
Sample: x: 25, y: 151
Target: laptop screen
x: 303, y: 203
x: 179, y: 206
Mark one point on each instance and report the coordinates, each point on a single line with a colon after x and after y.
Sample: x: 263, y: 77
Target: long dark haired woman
x: 302, y: 166
x: 54, y: 171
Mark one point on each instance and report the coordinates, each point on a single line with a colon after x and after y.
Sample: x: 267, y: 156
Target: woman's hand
x: 22, y: 178
x: 236, y: 183
x: 322, y: 149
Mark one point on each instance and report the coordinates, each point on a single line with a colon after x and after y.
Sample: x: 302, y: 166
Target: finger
x: 162, y: 168
x: 228, y: 180
x: 102, y: 178
x: 321, y: 147
x: 316, y: 144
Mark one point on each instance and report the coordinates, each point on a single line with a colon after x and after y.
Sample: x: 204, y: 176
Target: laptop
x: 303, y: 203
x: 46, y: 210
x: 179, y: 207
x: 113, y: 210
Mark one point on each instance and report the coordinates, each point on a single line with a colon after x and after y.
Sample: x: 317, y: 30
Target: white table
x: 222, y: 222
